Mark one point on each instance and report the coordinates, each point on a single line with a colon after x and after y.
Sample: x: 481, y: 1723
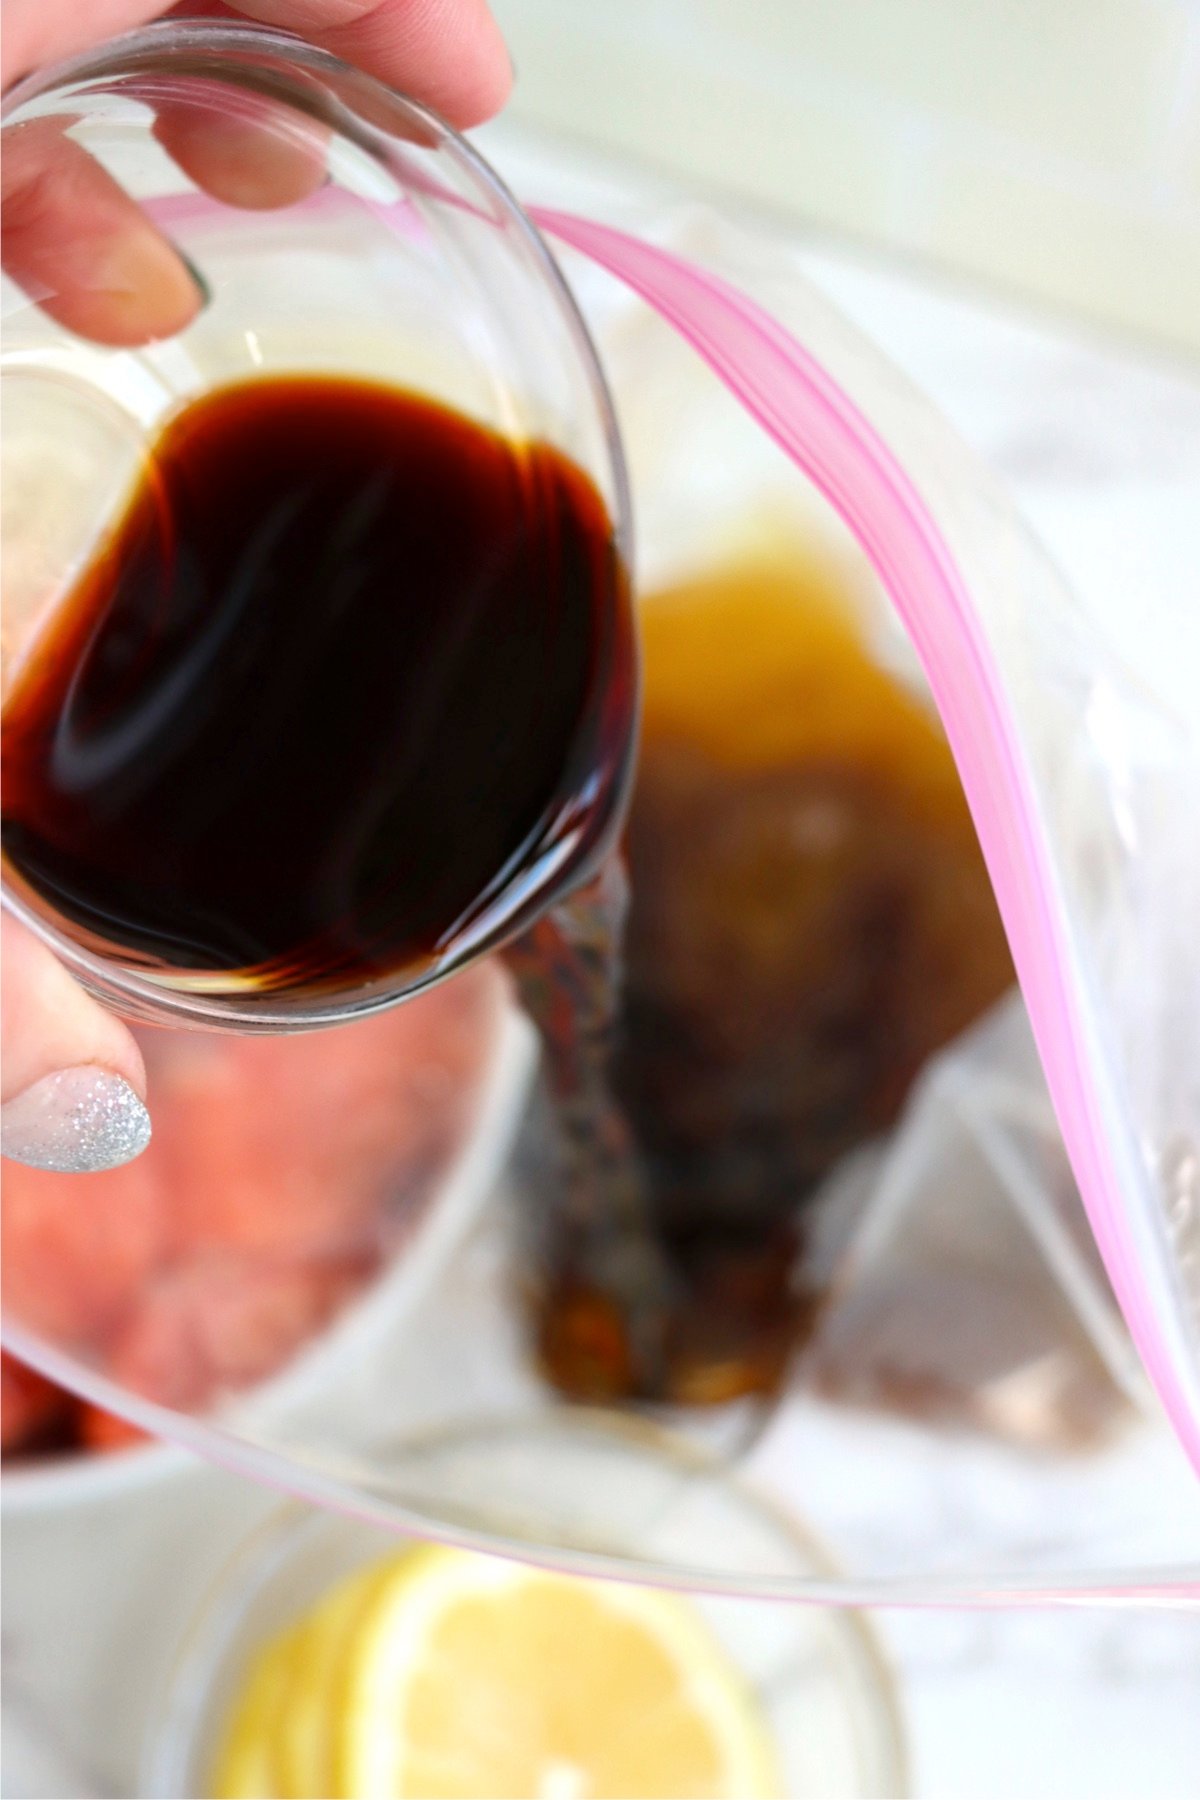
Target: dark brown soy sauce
x: 352, y: 678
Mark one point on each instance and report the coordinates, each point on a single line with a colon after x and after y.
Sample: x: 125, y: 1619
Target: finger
x: 47, y: 1022
x: 78, y: 245
x: 256, y: 156
x: 36, y: 32
x: 71, y: 1075
x: 449, y: 54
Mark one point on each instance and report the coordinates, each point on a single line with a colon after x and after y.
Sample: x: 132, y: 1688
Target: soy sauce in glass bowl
x: 321, y: 672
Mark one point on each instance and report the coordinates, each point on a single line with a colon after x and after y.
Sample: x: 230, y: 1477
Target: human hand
x: 446, y: 53
x: 72, y: 1082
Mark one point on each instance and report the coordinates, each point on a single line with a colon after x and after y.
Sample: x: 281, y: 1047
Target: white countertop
x: 1102, y: 449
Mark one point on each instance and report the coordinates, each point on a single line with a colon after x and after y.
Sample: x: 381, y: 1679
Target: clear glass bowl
x: 328, y: 225
x: 819, y: 1676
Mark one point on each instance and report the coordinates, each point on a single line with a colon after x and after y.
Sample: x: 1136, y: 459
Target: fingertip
x: 448, y: 54
x: 48, y: 1023
x: 487, y: 79
x: 139, y: 288
x: 249, y: 159
x: 470, y: 76
x: 76, y: 242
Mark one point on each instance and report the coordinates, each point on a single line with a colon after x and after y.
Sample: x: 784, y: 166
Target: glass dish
x: 298, y: 1190
x: 819, y: 1676
x: 376, y: 244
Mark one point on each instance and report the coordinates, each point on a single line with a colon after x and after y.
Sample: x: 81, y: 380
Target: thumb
x: 71, y: 1076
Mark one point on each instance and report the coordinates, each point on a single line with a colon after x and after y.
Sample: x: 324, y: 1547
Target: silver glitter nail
x: 75, y: 1122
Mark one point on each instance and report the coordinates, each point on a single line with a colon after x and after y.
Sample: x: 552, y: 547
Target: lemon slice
x: 247, y: 1767
x: 303, y: 1724
x: 473, y: 1677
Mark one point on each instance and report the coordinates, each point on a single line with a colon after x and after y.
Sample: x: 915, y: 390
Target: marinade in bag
x: 808, y: 919
x: 1081, y: 779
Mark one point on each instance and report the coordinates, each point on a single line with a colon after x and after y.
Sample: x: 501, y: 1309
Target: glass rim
x: 133, y: 993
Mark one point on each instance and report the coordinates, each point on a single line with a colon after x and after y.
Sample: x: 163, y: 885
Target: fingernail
x: 203, y: 286
x: 75, y: 1122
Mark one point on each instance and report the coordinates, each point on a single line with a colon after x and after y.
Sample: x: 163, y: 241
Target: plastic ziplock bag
x: 1080, y: 785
